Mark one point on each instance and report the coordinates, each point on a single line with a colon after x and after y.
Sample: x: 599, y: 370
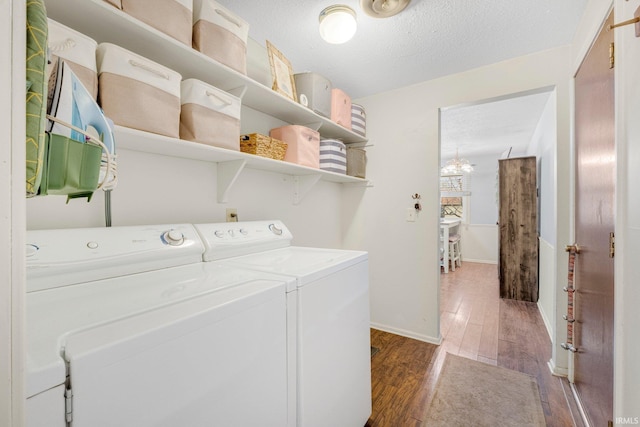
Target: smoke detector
x: 383, y: 8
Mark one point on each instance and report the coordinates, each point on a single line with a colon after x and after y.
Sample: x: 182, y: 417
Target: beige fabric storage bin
x: 303, y: 144
x: 356, y: 162
x: 220, y: 34
x: 138, y: 93
x: 77, y: 50
x: 209, y: 115
x: 172, y: 17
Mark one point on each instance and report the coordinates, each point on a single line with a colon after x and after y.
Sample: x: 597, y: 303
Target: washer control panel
x: 67, y: 256
x: 228, y: 239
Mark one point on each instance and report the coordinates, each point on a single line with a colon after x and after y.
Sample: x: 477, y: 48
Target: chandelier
x: 456, y: 166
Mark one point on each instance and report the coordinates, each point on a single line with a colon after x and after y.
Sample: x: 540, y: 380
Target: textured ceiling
x: 491, y: 128
x: 429, y: 39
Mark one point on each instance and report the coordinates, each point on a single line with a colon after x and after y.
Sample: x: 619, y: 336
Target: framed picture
x: 281, y: 73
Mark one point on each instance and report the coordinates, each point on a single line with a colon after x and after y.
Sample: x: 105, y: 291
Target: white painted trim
x: 558, y: 372
x: 626, y: 271
x: 12, y: 211
x: 545, y: 320
x: 547, y: 301
x: 480, y: 261
x: 583, y: 414
x: 407, y: 334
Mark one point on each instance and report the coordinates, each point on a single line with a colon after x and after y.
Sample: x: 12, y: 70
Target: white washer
x: 330, y: 302
x: 131, y: 326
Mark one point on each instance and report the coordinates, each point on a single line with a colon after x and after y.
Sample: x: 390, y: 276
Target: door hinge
x: 612, y: 245
x: 612, y: 55
x: 68, y: 404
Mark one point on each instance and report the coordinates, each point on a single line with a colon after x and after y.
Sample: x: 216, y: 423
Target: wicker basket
x: 262, y: 145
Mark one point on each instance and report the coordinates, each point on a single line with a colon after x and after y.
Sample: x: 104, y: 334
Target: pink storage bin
x: 304, y: 144
x: 341, y: 108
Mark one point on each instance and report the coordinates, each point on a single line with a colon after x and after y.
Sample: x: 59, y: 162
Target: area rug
x: 471, y: 393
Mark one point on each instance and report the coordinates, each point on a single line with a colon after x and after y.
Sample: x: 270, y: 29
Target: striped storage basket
x: 358, y: 119
x: 333, y: 156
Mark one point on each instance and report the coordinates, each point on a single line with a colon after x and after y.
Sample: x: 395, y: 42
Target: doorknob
x: 569, y: 347
x: 572, y: 248
x: 570, y: 320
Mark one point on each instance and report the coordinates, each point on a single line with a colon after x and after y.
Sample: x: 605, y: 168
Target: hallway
x: 477, y: 324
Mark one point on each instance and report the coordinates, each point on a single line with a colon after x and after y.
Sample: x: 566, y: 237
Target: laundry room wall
x: 542, y: 146
x: 157, y: 189
x: 403, y: 129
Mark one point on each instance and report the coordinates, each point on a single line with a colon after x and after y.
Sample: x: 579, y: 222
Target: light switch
x: 411, y: 215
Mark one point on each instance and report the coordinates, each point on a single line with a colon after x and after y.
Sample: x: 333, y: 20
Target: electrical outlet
x: 232, y: 215
x: 411, y: 215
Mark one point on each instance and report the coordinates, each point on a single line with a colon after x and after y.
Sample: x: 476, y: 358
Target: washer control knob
x: 32, y: 250
x: 218, y: 233
x: 173, y: 237
x: 231, y: 232
x: 243, y: 231
x: 275, y: 230
x: 92, y: 245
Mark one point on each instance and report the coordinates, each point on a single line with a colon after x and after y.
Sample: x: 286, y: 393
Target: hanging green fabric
x: 36, y: 93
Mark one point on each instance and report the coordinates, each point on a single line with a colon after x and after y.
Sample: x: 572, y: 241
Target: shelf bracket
x: 238, y: 91
x: 302, y: 184
x: 364, y: 184
x: 228, y: 172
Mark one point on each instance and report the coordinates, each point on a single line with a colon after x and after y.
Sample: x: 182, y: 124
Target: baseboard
x: 583, y: 414
x: 558, y: 372
x: 407, y: 334
x: 479, y: 261
x: 547, y: 324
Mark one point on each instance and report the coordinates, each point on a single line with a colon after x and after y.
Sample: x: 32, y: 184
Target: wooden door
x: 518, y: 218
x: 595, y: 188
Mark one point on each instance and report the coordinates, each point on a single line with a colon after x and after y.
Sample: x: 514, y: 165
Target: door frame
x: 626, y: 386
x: 12, y: 211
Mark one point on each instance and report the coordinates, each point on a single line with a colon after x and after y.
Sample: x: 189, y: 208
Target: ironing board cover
x: 36, y: 90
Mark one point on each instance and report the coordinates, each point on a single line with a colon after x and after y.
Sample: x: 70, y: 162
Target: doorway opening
x: 516, y: 125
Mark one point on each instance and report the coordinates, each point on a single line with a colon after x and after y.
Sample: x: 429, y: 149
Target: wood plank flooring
x: 477, y: 324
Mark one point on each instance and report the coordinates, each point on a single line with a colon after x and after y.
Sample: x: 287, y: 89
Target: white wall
x: 156, y: 189
x: 479, y: 243
x: 403, y: 126
x: 483, y: 205
x: 543, y: 147
x: 546, y: 294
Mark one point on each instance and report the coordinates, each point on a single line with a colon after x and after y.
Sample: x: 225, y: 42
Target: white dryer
x: 329, y: 335
x: 127, y: 327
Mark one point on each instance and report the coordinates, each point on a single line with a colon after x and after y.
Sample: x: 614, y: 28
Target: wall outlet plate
x: 232, y: 215
x: 411, y: 215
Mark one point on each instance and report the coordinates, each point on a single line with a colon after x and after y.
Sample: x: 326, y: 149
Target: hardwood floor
x: 477, y: 324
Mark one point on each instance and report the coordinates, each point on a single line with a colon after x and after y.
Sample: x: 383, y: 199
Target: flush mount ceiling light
x: 337, y: 24
x: 383, y: 8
